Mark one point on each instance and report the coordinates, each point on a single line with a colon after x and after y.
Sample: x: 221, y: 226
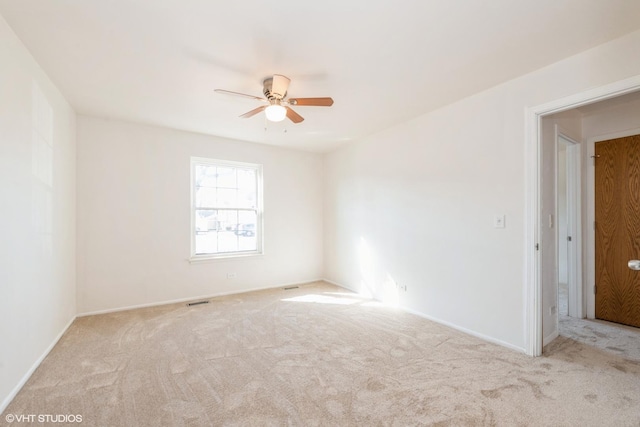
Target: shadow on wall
x: 375, y: 283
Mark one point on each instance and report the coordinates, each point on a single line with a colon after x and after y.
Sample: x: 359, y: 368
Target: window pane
x: 227, y: 177
x: 247, y: 199
x: 206, y: 243
x: 228, y: 219
x: 207, y: 220
x: 205, y: 176
x: 225, y: 209
x: 247, y: 217
x: 227, y: 242
x: 226, y: 237
x: 246, y: 230
x: 227, y: 198
x: 247, y: 180
x: 206, y: 197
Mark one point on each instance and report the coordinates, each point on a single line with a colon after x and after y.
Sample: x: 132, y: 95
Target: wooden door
x: 617, y: 214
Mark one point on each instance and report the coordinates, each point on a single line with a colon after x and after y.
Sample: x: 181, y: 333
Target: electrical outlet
x: 401, y: 287
x: 231, y: 275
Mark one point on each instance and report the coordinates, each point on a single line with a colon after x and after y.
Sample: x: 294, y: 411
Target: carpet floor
x: 317, y: 355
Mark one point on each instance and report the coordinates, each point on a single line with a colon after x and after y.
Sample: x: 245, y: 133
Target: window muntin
x: 226, y: 208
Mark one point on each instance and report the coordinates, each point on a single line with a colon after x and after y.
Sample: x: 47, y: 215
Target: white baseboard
x: 194, y: 298
x: 340, y: 285
x: 30, y: 372
x: 445, y: 323
x: 465, y: 330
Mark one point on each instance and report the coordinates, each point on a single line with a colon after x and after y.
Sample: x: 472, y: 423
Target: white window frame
x: 198, y: 161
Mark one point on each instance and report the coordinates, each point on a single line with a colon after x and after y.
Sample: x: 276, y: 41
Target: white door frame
x: 532, y: 216
x: 574, y: 223
x: 591, y: 216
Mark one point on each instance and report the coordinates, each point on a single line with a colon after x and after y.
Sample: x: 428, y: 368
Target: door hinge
x: 568, y: 238
x: 595, y: 289
x: 537, y: 247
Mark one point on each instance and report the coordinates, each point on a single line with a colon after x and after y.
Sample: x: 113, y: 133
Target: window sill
x: 198, y: 259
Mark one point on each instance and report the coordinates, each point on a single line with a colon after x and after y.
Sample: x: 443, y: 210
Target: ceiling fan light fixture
x: 275, y: 105
x: 275, y: 113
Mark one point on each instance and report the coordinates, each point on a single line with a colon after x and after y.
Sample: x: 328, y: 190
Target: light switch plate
x: 498, y: 221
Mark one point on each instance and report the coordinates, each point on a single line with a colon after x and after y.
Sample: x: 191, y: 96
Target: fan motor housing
x: 268, y: 84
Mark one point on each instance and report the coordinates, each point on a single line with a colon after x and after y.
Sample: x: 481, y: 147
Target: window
x: 226, y: 209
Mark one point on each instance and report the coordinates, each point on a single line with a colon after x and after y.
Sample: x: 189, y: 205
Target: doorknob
x: 634, y: 264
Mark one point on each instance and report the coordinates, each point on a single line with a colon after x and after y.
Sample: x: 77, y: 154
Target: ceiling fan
x: 276, y: 107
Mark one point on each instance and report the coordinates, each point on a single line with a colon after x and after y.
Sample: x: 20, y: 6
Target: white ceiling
x: 383, y: 62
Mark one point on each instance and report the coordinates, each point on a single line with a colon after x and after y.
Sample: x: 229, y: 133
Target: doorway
x: 536, y: 220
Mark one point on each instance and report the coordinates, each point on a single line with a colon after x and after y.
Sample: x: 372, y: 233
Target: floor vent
x: 197, y: 303
x: 290, y: 287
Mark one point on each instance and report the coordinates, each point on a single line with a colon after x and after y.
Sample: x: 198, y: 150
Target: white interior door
x: 569, y: 225
x: 574, y: 227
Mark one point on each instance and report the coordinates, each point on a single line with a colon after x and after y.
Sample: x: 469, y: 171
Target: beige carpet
x: 621, y: 340
x: 317, y: 355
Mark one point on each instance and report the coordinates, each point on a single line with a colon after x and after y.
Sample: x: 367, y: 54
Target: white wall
x: 37, y: 214
x: 134, y: 216
x: 615, y: 119
x: 415, y: 204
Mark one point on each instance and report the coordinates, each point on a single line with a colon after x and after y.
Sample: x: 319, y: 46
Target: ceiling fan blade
x: 318, y: 102
x: 293, y: 116
x: 279, y: 86
x: 228, y: 92
x: 253, y: 112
